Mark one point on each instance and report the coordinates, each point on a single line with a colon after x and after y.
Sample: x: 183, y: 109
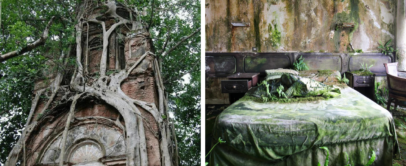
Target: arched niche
x: 94, y: 141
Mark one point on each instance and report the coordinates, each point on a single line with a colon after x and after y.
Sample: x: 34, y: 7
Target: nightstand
x: 238, y: 84
x: 363, y: 84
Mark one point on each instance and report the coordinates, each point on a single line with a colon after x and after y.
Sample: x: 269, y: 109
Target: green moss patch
x: 283, y: 100
x: 362, y: 73
x: 275, y: 35
x: 325, y: 72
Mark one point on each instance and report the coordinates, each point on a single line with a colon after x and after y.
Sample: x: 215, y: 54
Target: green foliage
x: 347, y: 159
x: 366, y: 67
x: 220, y: 141
x: 359, y: 51
x: 280, y: 91
x: 299, y: 64
x: 381, y: 95
x: 275, y: 35
x: 386, y: 48
x: 327, y: 155
x: 372, y: 159
x: 269, y: 96
x: 17, y: 78
x: 364, y: 71
x: 343, y: 79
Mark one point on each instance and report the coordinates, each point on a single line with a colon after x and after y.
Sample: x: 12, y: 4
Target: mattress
x: 351, y: 126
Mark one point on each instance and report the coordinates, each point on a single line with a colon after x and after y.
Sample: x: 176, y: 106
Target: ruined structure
x: 111, y: 109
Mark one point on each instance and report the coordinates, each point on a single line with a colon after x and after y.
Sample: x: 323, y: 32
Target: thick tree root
x: 65, y: 132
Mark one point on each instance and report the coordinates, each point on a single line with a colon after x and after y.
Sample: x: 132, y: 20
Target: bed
x: 351, y: 126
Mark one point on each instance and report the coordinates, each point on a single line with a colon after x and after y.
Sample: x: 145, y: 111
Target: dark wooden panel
x: 322, y: 61
x: 375, y: 59
x: 221, y: 65
x: 263, y: 61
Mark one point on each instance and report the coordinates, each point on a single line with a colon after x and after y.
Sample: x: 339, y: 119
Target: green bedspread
x: 283, y: 133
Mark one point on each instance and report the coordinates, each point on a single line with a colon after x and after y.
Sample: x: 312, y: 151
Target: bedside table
x: 363, y: 84
x: 238, y: 84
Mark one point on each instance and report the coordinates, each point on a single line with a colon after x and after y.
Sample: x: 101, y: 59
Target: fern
x: 386, y: 48
x: 299, y: 65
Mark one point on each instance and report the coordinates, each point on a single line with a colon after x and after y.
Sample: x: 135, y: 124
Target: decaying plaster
x: 293, y: 25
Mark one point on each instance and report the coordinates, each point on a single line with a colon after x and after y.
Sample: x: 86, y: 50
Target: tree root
x: 65, y: 132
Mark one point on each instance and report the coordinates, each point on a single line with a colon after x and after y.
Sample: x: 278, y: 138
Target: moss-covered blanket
x: 258, y: 133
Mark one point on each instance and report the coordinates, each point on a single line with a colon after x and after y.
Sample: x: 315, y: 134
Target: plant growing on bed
x: 280, y: 91
x: 343, y: 79
x: 269, y: 96
x: 299, y: 64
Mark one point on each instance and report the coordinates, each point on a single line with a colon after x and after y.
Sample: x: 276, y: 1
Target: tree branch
x: 152, y: 13
x: 180, y: 42
x: 29, y: 47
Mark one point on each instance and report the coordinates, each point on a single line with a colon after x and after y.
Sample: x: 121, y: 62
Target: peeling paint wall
x: 298, y: 25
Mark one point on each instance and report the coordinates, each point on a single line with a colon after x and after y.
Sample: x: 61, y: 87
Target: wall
x: 298, y: 25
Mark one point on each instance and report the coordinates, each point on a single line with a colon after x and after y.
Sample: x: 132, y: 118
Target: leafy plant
x: 359, y: 51
x: 343, y: 79
x: 386, y: 48
x: 220, y: 141
x: 328, y: 154
x: 347, y: 159
x: 280, y: 91
x: 299, y: 65
x: 372, y: 159
x: 380, y: 94
x: 365, y: 67
x: 364, y: 71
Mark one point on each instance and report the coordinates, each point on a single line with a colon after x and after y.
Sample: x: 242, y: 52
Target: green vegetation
x: 325, y: 72
x: 220, y: 141
x: 359, y: 51
x: 299, y: 64
x: 347, y: 159
x: 386, y: 48
x: 327, y: 155
x: 343, y: 79
x: 283, y: 100
x: 280, y: 91
x: 275, y: 35
x: 381, y: 95
x: 364, y: 71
